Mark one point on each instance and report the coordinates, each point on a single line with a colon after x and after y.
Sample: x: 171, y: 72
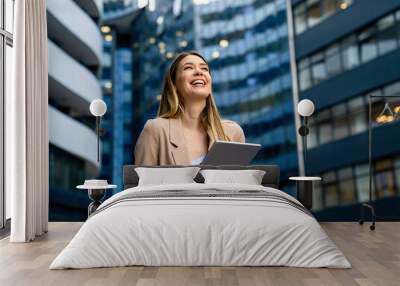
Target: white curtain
x: 26, y: 123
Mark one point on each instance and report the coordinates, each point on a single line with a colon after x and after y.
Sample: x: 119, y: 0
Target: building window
x: 312, y: 139
x: 330, y: 189
x: 357, y: 115
x: 381, y: 37
x: 397, y: 173
x: 314, y: 12
x: 384, y: 179
x: 310, y: 13
x: 329, y: 7
x: 340, y: 122
x: 333, y: 62
x: 300, y: 18
x: 350, y: 184
x: 362, y: 182
x: 318, y: 68
x: 325, y: 128
x: 305, y: 74
x: 351, y: 117
x: 6, y: 43
x: 368, y: 47
x: 350, y: 53
x: 347, y: 186
x: 387, y: 34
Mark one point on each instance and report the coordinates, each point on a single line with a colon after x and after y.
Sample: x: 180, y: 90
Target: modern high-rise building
x: 75, y: 59
x: 135, y: 57
x: 107, y: 120
x: 169, y: 31
x: 122, y: 114
x: 117, y: 78
x: 246, y: 45
x: 344, y: 51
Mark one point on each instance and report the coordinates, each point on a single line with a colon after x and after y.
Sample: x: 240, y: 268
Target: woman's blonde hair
x: 171, y: 102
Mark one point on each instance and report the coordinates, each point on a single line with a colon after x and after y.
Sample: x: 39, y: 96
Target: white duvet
x: 183, y: 231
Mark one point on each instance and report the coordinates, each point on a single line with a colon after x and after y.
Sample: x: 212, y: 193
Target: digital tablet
x: 230, y: 153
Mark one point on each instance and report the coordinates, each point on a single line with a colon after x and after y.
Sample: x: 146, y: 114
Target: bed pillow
x: 163, y: 176
x: 248, y: 177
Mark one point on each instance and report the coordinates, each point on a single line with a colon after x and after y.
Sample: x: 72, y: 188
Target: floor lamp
x: 385, y: 116
x: 305, y: 109
x: 98, y: 108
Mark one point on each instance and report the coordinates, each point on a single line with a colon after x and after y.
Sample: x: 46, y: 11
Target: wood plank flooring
x: 375, y: 257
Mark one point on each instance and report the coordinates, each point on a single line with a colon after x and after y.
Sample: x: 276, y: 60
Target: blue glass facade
x: 246, y: 45
x: 107, y: 119
x: 122, y: 114
x: 169, y: 30
x: 351, y: 51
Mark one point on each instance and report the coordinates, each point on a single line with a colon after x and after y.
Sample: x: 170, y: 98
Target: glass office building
x: 246, y: 45
x: 107, y: 119
x: 122, y: 114
x: 169, y: 30
x: 117, y: 79
x: 346, y: 50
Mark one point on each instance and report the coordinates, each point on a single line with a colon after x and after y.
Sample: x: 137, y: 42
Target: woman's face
x: 193, y: 79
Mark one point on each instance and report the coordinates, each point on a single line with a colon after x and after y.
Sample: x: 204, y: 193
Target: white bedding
x: 182, y: 231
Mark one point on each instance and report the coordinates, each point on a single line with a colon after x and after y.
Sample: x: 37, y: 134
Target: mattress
x: 201, y: 225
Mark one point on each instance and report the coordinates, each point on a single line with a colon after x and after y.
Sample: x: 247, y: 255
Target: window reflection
x: 369, y: 49
x: 378, y: 39
x: 311, y: 12
x: 333, y: 63
x: 351, y: 117
x: 350, y: 53
x: 324, y: 127
x: 350, y: 185
x: 330, y: 189
x: 362, y: 182
x: 300, y: 18
x: 384, y: 179
x: 314, y: 12
x: 387, y: 39
x: 346, y: 186
x: 329, y: 7
x: 339, y: 113
x: 318, y: 68
x: 357, y: 116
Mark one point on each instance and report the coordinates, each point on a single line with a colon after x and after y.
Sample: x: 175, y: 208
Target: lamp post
x: 305, y: 109
x: 98, y: 108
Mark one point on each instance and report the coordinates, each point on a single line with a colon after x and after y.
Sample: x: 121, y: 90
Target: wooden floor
x: 375, y: 257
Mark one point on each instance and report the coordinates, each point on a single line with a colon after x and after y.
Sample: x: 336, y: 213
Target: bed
x: 198, y: 224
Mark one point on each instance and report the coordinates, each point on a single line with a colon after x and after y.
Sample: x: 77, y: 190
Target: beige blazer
x: 162, y: 142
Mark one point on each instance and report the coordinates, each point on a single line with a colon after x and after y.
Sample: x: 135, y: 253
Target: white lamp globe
x: 305, y: 108
x: 98, y: 107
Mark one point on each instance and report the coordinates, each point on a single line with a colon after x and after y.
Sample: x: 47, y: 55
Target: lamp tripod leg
x: 373, y: 215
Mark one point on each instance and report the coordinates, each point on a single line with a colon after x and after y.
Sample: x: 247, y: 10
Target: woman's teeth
x: 198, y: 83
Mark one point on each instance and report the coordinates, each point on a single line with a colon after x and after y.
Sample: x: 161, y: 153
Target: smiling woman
x: 188, y: 120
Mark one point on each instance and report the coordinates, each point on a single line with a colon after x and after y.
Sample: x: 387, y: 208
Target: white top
x: 305, y: 178
x: 96, y: 185
x: 198, y: 160
x: 86, y: 187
